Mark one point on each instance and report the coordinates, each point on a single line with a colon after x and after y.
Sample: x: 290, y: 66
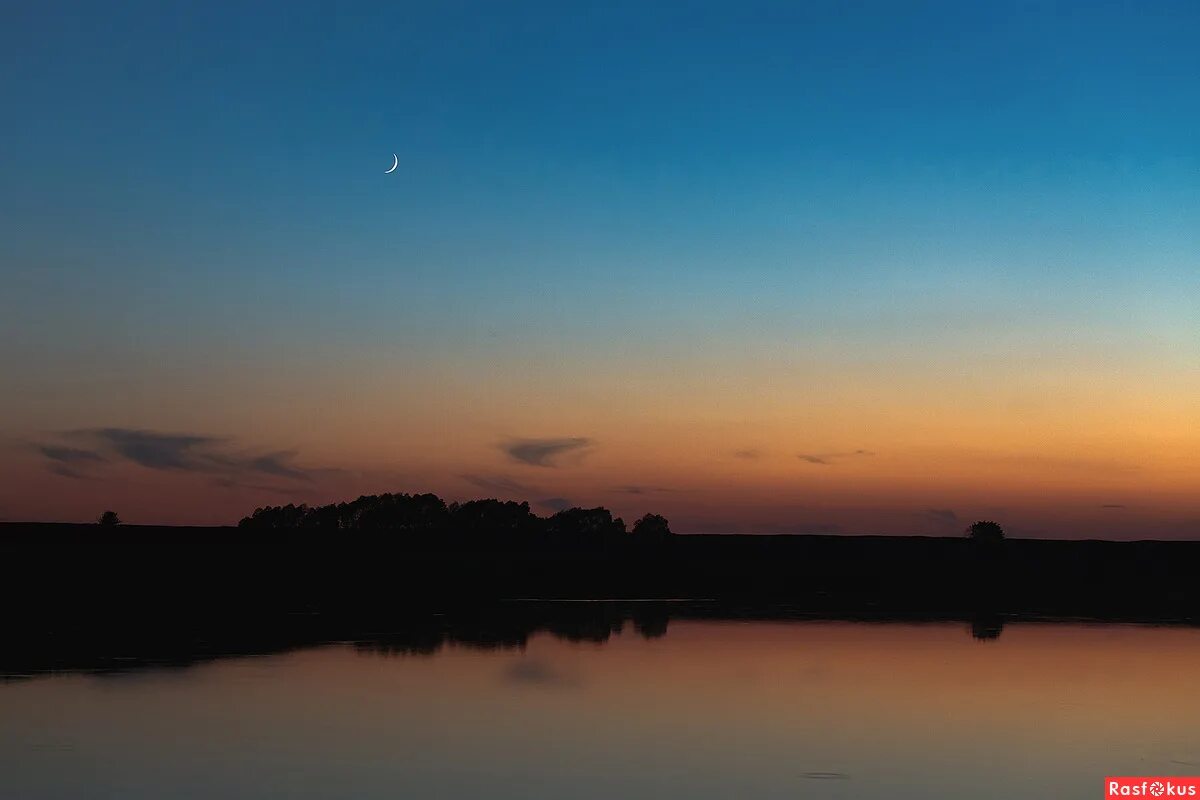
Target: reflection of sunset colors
x: 763, y: 272
x: 711, y: 710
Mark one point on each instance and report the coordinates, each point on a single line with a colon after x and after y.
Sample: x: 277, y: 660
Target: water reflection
x: 987, y: 627
x: 615, y: 700
x: 503, y: 626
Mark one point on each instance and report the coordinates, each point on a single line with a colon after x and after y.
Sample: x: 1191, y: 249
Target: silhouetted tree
x: 585, y: 522
x: 289, y: 516
x: 479, y: 520
x: 109, y: 519
x: 492, y: 518
x: 325, y: 518
x: 411, y: 513
x: 652, y: 526
x: 985, y: 531
x: 419, y: 513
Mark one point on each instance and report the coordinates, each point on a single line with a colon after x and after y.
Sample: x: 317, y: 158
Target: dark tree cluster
x: 429, y: 514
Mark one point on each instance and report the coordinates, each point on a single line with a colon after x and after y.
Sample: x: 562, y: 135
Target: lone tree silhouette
x: 985, y: 531
x: 109, y: 519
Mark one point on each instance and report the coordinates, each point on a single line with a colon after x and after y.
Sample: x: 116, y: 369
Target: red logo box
x: 1117, y: 786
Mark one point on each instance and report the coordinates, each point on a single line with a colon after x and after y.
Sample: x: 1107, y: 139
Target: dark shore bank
x: 67, y: 571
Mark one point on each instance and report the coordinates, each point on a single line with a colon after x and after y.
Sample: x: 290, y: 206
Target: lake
x: 697, y: 708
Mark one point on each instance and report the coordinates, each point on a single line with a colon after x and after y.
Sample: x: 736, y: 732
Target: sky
x: 862, y: 267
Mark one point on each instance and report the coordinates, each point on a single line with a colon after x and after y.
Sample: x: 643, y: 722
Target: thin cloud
x: 69, y: 455
x: 942, y: 515
x: 635, y: 489
x: 544, y: 452
x: 749, y: 454
x: 498, y: 483
x: 829, y: 459
x: 69, y: 462
x: 65, y: 471
x: 1113, y: 505
x: 230, y: 483
x: 168, y: 452
x: 277, y: 464
x: 556, y: 503
x: 154, y: 450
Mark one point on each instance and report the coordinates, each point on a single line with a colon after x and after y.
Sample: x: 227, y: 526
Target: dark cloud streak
x: 829, y: 459
x: 637, y: 490
x: 544, y: 452
x: 69, y: 455
x: 168, y: 452
x: 155, y: 450
x: 67, y: 462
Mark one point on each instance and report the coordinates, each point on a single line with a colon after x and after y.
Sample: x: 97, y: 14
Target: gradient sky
x: 848, y: 267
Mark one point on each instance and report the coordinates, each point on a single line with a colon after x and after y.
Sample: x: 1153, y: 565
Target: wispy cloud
x: 279, y: 465
x: 544, y: 452
x: 69, y: 462
x: 66, y: 471
x: 829, y: 459
x: 499, y: 483
x: 749, y: 454
x: 945, y: 516
x: 168, y: 452
x: 1112, y: 505
x: 635, y: 489
x: 69, y: 455
x: 231, y: 483
x: 154, y: 450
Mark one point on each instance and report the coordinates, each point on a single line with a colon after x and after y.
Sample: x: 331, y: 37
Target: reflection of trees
x: 512, y: 628
x: 499, y: 627
x: 650, y: 619
x: 987, y: 626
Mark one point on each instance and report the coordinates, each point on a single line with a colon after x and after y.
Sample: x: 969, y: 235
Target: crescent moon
x: 395, y: 163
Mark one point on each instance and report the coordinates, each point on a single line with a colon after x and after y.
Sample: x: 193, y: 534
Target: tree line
x: 429, y: 514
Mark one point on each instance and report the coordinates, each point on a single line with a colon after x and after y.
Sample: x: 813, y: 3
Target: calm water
x: 707, y: 710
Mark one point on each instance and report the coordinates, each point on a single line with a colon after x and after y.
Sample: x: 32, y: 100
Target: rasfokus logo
x: 1151, y: 786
